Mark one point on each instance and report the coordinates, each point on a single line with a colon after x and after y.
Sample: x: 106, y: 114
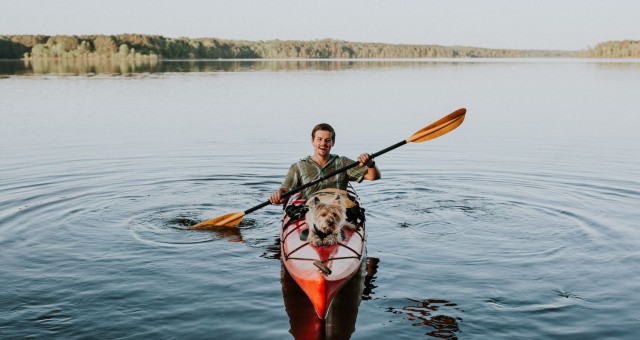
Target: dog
x: 326, y: 216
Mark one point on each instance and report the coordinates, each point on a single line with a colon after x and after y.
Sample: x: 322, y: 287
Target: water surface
x: 522, y: 223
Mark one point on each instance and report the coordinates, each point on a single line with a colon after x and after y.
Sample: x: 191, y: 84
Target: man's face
x: 322, y: 143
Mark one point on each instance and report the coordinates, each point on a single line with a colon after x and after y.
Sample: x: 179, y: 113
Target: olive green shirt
x: 307, y: 170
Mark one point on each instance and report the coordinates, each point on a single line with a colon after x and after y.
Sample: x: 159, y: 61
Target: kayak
x: 340, y: 322
x: 321, y: 271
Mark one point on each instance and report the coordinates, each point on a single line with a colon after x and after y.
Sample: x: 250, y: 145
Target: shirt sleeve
x: 357, y: 172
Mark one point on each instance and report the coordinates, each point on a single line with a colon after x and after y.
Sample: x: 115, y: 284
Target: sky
x: 511, y: 24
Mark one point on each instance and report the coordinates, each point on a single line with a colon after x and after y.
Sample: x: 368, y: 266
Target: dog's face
x: 328, y: 216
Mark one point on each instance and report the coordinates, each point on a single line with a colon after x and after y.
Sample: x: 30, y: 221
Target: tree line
x: 614, y: 49
x: 138, y: 46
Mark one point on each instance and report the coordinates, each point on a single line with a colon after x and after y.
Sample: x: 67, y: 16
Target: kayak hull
x: 341, y: 317
x: 320, y: 271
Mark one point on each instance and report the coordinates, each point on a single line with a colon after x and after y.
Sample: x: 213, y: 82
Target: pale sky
x: 517, y: 24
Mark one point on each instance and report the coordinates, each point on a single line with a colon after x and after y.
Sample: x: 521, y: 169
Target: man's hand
x: 275, y: 197
x: 372, y: 173
x: 365, y: 159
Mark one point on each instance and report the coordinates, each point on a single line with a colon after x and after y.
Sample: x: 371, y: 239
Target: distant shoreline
x: 154, y: 47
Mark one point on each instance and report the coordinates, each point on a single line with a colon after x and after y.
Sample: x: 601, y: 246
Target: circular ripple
x: 168, y: 226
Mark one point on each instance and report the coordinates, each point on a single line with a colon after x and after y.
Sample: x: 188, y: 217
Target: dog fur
x: 326, y: 217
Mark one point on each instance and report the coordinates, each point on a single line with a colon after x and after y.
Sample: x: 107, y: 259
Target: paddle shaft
x: 329, y: 175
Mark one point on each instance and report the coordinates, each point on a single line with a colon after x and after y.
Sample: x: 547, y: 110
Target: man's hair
x: 324, y: 127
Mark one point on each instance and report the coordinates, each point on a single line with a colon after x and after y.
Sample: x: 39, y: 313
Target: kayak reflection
x: 340, y: 322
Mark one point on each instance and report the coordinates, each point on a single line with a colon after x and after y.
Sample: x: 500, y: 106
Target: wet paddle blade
x: 439, y: 128
x: 228, y: 220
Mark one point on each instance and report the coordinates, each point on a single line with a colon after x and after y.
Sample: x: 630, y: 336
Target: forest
x: 615, y: 49
x: 138, y: 46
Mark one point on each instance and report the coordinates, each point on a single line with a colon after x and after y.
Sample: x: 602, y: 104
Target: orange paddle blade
x: 228, y: 220
x: 439, y: 128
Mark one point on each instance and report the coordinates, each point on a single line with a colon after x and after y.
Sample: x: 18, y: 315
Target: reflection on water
x: 437, y: 315
x: 428, y: 313
x: 79, y: 67
x: 133, y: 67
x: 372, y: 270
x: 233, y: 234
x: 272, y: 251
x: 224, y: 233
x: 121, y: 67
x: 341, y: 320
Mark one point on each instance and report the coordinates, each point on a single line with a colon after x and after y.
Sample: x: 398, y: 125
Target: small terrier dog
x: 326, y: 217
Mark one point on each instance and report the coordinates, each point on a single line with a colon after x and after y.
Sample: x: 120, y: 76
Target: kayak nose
x: 320, y: 297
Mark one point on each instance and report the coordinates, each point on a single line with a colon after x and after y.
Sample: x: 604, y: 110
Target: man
x: 323, y: 162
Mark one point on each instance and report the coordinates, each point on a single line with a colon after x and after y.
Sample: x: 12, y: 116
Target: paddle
x: 437, y: 129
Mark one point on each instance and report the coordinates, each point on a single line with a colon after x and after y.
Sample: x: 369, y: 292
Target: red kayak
x: 321, y: 271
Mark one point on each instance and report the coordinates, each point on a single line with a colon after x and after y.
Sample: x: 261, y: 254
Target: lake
x: 521, y: 223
